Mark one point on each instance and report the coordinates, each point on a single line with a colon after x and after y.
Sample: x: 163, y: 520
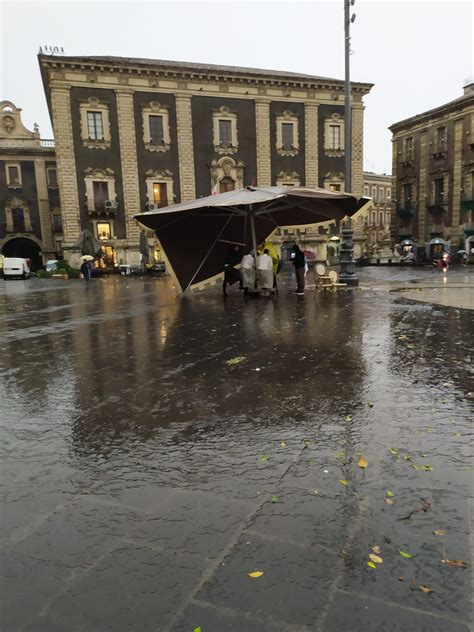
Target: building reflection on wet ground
x: 144, y: 476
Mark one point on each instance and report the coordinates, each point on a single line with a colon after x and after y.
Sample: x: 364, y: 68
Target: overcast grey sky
x: 417, y: 54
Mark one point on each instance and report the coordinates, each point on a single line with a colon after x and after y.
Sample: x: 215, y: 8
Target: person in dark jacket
x: 297, y: 257
x: 231, y: 273
x: 86, y: 270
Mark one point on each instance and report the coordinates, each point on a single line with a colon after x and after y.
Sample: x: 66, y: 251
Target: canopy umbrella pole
x: 254, y: 240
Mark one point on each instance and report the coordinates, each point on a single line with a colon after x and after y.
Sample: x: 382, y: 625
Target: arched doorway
x: 24, y: 248
x: 226, y: 184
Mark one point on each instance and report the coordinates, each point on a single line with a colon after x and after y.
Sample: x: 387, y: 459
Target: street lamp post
x: 346, y: 258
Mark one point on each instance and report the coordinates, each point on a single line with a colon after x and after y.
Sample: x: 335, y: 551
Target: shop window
x: 104, y: 232
x: 160, y: 194
x: 13, y: 173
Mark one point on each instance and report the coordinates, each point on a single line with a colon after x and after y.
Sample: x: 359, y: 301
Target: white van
x: 15, y: 267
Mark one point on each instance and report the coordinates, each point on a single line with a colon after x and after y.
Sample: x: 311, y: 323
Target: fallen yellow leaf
x: 376, y: 549
x: 440, y: 532
x: 344, y: 482
x: 390, y: 494
x: 425, y: 589
x: 282, y: 444
x: 375, y: 558
x: 371, y: 564
x: 362, y: 462
x: 255, y: 574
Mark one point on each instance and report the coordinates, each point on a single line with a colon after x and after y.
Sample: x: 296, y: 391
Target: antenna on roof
x: 51, y: 50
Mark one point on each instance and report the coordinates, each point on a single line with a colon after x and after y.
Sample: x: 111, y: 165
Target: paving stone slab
x: 354, y: 613
x: 294, y: 587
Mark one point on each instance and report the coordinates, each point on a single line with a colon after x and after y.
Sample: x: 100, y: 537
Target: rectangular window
x: 103, y: 231
x: 334, y: 137
x: 439, y: 191
x: 225, y: 133
x: 388, y: 194
x: 374, y: 218
x: 387, y: 215
x: 409, y: 147
x: 95, y: 126
x: 160, y: 194
x: 381, y: 195
x: 441, y: 136
x: 374, y: 194
x: 13, y: 175
x: 287, y: 135
x: 366, y: 191
x: 18, y: 218
x: 407, y: 195
x: 156, y: 130
x: 381, y: 218
x: 57, y: 223
x: 52, y: 177
x: 101, y: 194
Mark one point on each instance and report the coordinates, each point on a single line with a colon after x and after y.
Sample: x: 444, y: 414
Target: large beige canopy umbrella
x: 196, y: 236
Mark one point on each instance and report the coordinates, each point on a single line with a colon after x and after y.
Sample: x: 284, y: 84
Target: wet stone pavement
x: 144, y: 476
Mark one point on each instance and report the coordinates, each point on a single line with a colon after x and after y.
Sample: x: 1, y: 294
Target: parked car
x: 15, y: 267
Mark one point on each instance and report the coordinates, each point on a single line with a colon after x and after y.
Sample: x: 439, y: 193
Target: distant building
x: 433, y: 166
x: 135, y: 134
x: 30, y: 212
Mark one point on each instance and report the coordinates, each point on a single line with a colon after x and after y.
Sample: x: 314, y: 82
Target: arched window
x: 226, y: 184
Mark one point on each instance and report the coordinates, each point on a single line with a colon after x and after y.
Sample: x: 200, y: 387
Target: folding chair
x: 334, y: 279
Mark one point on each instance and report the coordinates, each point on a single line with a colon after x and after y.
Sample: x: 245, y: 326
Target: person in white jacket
x: 265, y: 270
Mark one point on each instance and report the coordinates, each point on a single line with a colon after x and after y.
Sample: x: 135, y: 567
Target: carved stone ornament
x: 227, y: 166
x: 284, y: 177
x: 8, y: 124
x: 99, y: 173
x: 159, y: 174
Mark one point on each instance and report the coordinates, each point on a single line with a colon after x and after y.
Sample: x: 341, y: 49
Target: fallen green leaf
x: 393, y: 450
x: 264, y: 457
x: 405, y: 555
x: 370, y: 404
x: 236, y: 360
x: 198, y: 629
x: 344, y: 482
x: 427, y: 468
x: 348, y: 417
x: 390, y: 493
x: 415, y: 467
x: 407, y: 457
x: 274, y: 499
x: 371, y: 564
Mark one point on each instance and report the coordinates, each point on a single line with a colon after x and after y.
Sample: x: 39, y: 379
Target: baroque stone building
x: 135, y: 134
x: 30, y: 213
x: 433, y: 167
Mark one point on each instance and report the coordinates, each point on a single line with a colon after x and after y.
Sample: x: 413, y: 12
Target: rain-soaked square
x: 158, y: 451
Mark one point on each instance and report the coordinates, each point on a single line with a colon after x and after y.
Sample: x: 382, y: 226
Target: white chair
x: 334, y: 279
x: 321, y: 279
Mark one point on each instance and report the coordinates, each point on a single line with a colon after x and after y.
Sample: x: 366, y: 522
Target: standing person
x: 247, y: 269
x: 231, y: 273
x: 86, y: 270
x: 275, y: 259
x: 265, y: 270
x: 297, y: 258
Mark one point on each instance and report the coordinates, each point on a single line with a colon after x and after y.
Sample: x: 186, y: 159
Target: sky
x: 418, y: 54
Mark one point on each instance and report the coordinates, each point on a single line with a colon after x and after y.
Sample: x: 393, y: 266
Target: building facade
x: 30, y: 212
x: 433, y: 166
x: 372, y: 225
x: 134, y: 134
